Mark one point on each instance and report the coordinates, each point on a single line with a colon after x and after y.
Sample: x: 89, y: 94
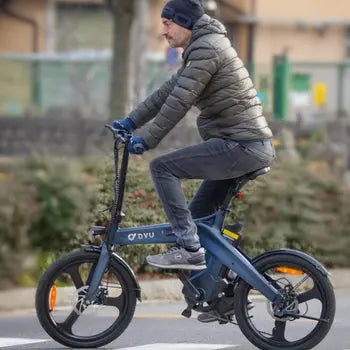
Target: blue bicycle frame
x: 219, y: 251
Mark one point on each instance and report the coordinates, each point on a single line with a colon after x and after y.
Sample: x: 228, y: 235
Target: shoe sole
x: 208, y: 320
x: 180, y: 267
x: 213, y: 318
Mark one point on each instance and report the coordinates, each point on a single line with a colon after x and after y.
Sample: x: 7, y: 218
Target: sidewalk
x: 153, y: 290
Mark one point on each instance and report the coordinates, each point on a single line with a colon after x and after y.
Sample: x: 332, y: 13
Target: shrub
x: 52, y: 202
x: 297, y: 208
x: 291, y: 207
x: 141, y: 205
x: 17, y: 210
x: 63, y: 199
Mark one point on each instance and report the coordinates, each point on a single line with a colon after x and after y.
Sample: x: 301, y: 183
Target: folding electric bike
x: 88, y: 297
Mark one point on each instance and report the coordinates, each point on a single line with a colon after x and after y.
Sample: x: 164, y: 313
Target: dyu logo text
x: 143, y: 235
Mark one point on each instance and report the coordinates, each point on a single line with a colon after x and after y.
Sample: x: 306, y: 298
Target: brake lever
x: 122, y: 134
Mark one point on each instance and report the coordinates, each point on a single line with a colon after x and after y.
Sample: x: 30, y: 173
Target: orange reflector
x: 289, y: 270
x: 53, y: 294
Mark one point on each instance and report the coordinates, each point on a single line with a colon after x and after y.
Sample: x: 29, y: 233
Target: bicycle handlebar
x: 120, y: 134
x: 124, y: 136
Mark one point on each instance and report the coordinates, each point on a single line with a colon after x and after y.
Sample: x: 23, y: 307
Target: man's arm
x: 149, y: 108
x: 200, y: 67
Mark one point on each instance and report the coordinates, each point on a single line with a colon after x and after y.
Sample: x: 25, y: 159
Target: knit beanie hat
x: 185, y: 13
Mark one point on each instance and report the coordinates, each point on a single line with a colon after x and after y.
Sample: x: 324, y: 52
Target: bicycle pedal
x: 222, y: 321
x: 187, y: 312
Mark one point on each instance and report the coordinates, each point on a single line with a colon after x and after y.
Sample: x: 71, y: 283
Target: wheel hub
x: 288, y: 304
x: 79, y: 303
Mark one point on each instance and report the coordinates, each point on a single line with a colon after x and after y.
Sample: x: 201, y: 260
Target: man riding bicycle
x: 236, y: 137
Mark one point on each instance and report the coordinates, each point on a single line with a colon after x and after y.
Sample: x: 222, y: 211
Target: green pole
x: 35, y: 84
x: 281, y: 87
x: 341, y: 71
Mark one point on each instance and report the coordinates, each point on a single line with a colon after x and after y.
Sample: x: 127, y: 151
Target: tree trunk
x: 139, y: 49
x: 120, y: 92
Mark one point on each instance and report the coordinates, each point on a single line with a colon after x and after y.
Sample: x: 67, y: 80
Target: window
x: 301, y: 82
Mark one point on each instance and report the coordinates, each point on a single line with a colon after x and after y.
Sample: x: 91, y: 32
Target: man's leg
x: 208, y: 198
x: 215, y: 159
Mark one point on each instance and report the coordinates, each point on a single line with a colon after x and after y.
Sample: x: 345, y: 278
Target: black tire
x: 321, y: 292
x: 124, y: 304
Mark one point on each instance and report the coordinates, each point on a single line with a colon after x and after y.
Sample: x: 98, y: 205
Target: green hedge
x: 298, y: 208
x: 290, y: 207
x: 50, y: 203
x: 17, y: 210
x: 63, y: 198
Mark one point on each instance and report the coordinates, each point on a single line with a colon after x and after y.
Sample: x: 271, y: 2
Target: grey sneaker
x: 179, y: 258
x: 212, y: 316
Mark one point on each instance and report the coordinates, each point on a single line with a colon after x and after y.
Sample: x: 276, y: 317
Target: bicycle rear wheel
x: 308, y: 292
x: 60, y: 295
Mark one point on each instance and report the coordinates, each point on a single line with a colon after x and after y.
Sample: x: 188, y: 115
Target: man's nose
x: 164, y: 31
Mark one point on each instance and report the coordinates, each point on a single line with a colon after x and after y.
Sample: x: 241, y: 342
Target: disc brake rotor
x: 291, y: 304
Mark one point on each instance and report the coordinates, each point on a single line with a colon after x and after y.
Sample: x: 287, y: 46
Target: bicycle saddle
x: 253, y: 175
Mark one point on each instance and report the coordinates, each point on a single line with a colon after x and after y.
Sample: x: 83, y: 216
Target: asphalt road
x: 160, y: 326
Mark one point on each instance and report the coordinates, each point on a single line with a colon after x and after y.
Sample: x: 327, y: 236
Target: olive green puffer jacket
x: 214, y: 79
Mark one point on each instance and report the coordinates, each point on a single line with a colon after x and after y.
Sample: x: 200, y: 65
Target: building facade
x: 314, y: 35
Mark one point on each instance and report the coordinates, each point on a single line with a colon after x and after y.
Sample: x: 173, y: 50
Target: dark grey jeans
x: 216, y: 161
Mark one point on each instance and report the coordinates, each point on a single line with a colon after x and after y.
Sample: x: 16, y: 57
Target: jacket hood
x: 207, y: 25
x: 204, y: 26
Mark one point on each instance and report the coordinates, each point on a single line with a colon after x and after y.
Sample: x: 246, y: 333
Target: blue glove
x: 137, y: 145
x: 125, y: 124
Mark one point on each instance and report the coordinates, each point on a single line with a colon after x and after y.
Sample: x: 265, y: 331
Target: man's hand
x: 125, y: 124
x: 137, y: 145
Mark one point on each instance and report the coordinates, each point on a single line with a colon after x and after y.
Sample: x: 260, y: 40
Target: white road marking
x: 19, y: 341
x: 180, y: 346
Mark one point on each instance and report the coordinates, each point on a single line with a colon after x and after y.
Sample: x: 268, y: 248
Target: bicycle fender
x: 295, y: 252
x: 121, y: 261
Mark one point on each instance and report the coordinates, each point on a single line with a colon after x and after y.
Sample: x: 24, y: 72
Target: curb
x: 151, y: 291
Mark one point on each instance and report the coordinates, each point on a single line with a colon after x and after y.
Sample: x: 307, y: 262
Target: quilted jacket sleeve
x: 201, y: 65
x: 149, y: 108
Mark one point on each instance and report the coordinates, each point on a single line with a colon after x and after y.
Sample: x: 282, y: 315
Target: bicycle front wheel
x: 309, y: 297
x: 61, y: 292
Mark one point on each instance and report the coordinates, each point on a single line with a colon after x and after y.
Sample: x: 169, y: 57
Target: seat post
x: 235, y: 187
x: 233, y: 191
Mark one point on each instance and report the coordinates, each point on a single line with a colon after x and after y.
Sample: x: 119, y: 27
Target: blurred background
x: 69, y: 66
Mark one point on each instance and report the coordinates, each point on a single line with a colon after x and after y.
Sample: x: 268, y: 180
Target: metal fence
x: 41, y: 84
x: 326, y: 90
x: 314, y: 91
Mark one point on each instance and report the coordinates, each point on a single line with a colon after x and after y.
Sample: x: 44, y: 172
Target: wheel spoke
x: 297, y: 285
x: 70, y: 320
x: 278, y: 331
x: 91, y: 273
x: 76, y: 277
x: 118, y: 302
x: 313, y: 293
